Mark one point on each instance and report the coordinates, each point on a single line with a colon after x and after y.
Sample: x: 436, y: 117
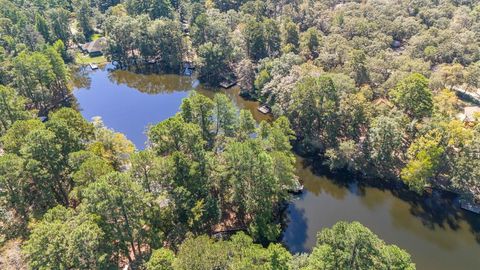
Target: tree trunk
x: 128, y: 228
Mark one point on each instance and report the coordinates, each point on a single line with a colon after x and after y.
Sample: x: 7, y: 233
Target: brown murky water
x: 437, y: 234
x: 433, y: 230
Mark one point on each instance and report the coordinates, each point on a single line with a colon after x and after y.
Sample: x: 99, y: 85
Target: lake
x: 128, y: 102
x: 437, y: 234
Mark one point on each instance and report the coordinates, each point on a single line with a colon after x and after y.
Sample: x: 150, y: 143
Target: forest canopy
x: 374, y: 88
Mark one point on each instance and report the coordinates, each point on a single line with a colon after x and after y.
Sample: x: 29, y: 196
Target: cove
x: 432, y: 229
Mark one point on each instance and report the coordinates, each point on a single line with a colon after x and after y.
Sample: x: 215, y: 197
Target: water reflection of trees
x: 80, y: 78
x: 318, y: 184
x: 438, y: 211
x: 422, y: 227
x: 151, y: 83
x: 241, y: 103
x: 295, y: 237
x: 474, y: 222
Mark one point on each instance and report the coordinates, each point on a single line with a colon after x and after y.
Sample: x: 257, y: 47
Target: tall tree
x: 199, y: 109
x: 425, y: 155
x: 112, y: 146
x: 12, y: 108
x: 213, y: 63
x: 163, y: 44
x: 254, y: 39
x: 50, y: 182
x: 256, y: 188
x: 445, y: 104
x: 225, y: 115
x: 146, y: 170
x: 309, y: 42
x: 237, y: 253
x: 314, y: 111
x: 174, y: 134
x: 154, y: 8
x: 89, y: 171
x: 84, y: 17
x: 59, y: 21
x: 64, y: 239
x: 16, y: 135
x: 466, y: 170
x: 124, y: 37
x: 358, y: 66
x: 272, y: 37
x: 290, y: 36
x: 15, y: 188
x: 246, y: 124
x: 42, y: 27
x: 245, y: 73
x: 384, y: 142
x: 413, y: 96
x: 41, y: 77
x: 125, y: 213
x: 353, y: 246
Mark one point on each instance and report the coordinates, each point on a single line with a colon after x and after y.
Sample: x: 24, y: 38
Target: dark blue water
x: 129, y: 104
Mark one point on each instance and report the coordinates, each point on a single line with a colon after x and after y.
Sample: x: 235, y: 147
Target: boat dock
x: 470, y: 206
x: 296, y: 190
x: 227, y: 84
x: 264, y: 109
x: 187, y: 72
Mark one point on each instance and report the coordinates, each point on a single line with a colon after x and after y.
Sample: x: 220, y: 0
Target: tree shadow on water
x: 435, y: 210
x: 294, y: 235
x: 474, y: 222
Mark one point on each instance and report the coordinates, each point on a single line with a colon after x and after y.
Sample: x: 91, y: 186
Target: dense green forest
x: 371, y: 87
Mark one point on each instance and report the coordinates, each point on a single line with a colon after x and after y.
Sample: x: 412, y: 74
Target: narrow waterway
x: 437, y: 234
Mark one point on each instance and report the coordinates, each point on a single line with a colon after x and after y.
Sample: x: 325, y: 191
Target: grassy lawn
x: 83, y: 59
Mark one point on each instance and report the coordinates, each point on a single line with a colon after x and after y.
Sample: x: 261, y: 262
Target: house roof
x: 97, y: 45
x: 383, y: 101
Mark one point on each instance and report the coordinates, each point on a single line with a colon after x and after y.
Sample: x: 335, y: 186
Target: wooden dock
x: 296, y: 189
x: 227, y: 84
x: 187, y: 72
x: 470, y: 206
x: 264, y: 109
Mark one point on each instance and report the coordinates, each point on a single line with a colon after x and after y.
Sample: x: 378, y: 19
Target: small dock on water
x: 228, y: 84
x: 187, y: 72
x: 296, y: 188
x: 265, y: 109
x: 188, y: 68
x: 470, y: 206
